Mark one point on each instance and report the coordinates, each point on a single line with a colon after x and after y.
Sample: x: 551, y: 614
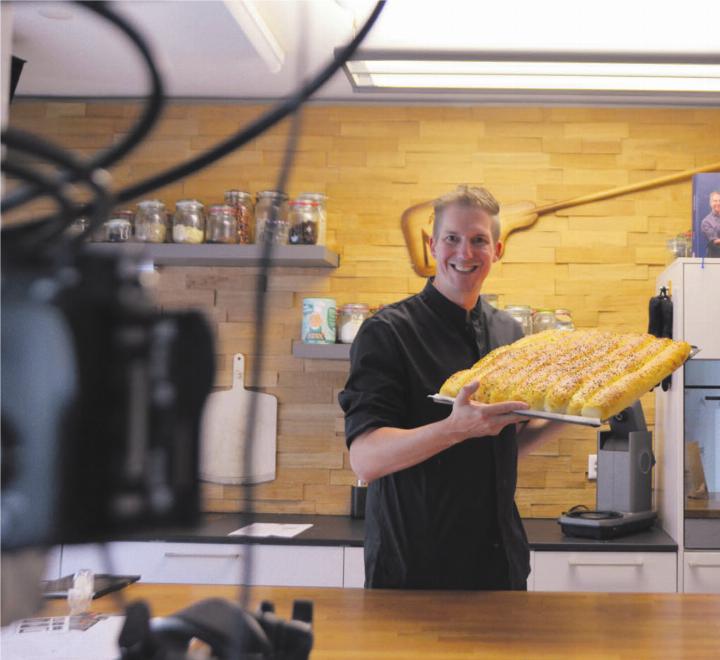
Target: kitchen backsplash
x: 599, y: 260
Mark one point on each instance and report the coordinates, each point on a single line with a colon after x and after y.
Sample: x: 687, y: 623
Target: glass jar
x: 563, y: 320
x: 304, y: 222
x: 242, y: 202
x: 271, y: 217
x: 189, y: 222
x: 523, y: 315
x: 350, y: 319
x: 221, y: 224
x: 543, y: 319
x: 150, y: 221
x: 490, y: 299
x: 118, y: 227
x: 321, y: 201
x: 77, y: 227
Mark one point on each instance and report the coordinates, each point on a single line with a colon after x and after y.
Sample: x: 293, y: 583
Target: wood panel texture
x: 599, y: 259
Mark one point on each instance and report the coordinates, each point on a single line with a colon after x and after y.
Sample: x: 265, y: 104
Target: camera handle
x: 230, y: 631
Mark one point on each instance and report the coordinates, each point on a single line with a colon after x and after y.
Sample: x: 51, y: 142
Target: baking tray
x: 569, y: 419
x: 541, y: 414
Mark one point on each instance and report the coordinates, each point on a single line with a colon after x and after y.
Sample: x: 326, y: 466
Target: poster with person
x: 706, y: 215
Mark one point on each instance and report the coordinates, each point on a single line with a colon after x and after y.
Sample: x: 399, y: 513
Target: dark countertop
x: 543, y: 534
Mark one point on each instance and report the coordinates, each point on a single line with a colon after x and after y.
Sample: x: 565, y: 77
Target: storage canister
x: 189, y: 222
x: 242, y: 202
x: 221, y: 224
x: 318, y: 321
x: 523, y: 315
x: 543, y: 319
x: 271, y: 217
x: 304, y: 222
x: 350, y: 319
x: 563, y: 320
x: 150, y: 221
x: 321, y: 200
x: 118, y: 228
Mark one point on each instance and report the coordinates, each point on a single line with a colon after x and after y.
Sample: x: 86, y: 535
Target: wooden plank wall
x: 600, y: 260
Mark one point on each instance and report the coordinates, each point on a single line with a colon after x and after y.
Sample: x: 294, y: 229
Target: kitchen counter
x: 356, y: 623
x: 543, y: 534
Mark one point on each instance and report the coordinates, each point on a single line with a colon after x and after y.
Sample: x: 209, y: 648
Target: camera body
x: 102, y: 401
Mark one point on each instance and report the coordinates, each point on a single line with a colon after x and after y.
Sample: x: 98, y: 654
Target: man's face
x: 715, y: 203
x: 464, y: 250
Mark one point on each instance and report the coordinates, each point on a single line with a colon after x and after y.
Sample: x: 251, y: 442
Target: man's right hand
x: 470, y: 419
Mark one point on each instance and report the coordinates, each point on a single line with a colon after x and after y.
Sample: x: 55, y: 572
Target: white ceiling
x: 204, y: 53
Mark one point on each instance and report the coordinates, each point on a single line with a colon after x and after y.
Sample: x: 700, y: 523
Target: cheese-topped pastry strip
x: 620, y: 394
x: 611, y: 369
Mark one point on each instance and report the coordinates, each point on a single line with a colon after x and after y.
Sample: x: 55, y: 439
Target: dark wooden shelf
x: 180, y: 254
x: 321, y: 351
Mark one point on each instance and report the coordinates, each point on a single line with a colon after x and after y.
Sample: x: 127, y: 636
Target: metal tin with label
x: 318, y: 322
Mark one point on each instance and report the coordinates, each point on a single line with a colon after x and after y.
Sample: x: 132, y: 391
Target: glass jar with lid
x: 350, y: 319
x: 118, y: 227
x: 304, y: 222
x: 150, y: 221
x: 564, y: 320
x: 271, y: 217
x: 321, y: 200
x: 543, y: 319
x: 221, y: 224
x: 242, y: 202
x: 189, y: 222
x: 523, y: 315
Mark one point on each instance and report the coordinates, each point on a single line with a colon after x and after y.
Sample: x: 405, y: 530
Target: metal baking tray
x: 569, y: 419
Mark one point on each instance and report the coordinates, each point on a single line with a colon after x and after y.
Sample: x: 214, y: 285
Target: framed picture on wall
x: 706, y: 215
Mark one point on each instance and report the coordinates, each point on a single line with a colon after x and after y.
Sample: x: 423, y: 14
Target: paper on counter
x: 262, y: 530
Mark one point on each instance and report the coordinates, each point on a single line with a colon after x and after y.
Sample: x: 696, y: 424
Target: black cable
x: 148, y: 118
x: 48, y: 228
x: 48, y: 187
x: 260, y: 125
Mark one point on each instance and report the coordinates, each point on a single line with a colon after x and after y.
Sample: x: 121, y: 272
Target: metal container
x: 318, y: 322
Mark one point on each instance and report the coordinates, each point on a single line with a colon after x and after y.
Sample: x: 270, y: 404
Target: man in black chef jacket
x: 440, y: 510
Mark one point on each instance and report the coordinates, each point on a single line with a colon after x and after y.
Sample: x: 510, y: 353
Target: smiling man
x: 440, y: 510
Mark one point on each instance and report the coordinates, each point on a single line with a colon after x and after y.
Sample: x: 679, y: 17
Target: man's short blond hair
x: 468, y: 197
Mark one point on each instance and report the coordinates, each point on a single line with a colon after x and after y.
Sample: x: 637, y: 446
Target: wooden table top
x: 355, y: 623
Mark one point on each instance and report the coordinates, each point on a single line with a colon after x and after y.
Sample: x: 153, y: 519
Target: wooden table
x: 354, y: 623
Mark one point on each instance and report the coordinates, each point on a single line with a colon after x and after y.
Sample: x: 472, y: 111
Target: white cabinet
x: 354, y: 567
x: 531, y: 577
x: 212, y: 563
x: 694, y: 284
x: 702, y: 572
x: 605, y: 571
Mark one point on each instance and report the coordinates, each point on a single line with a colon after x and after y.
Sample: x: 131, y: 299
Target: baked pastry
x: 593, y: 373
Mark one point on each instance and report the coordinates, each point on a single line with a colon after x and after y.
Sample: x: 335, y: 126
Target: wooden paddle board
x: 223, y: 435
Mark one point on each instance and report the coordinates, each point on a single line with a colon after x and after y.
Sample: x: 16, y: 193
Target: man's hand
x: 470, y: 419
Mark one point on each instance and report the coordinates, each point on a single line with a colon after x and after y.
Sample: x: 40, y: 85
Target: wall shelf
x: 178, y: 254
x: 321, y: 351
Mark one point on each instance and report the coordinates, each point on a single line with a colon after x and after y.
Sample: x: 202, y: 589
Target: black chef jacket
x: 448, y: 521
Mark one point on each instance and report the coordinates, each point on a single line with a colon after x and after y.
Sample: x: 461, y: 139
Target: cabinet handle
x: 586, y: 562
x: 203, y: 555
x: 712, y: 398
x: 703, y: 563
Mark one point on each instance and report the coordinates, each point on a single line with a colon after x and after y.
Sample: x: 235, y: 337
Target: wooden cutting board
x: 223, y: 433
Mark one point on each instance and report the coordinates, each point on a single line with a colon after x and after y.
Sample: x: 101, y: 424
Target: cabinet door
x: 531, y: 577
x: 213, y: 563
x: 702, y: 572
x: 702, y: 308
x: 605, y: 571
x: 354, y: 568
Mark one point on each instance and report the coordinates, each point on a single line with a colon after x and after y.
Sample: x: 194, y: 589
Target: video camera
x: 102, y: 400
